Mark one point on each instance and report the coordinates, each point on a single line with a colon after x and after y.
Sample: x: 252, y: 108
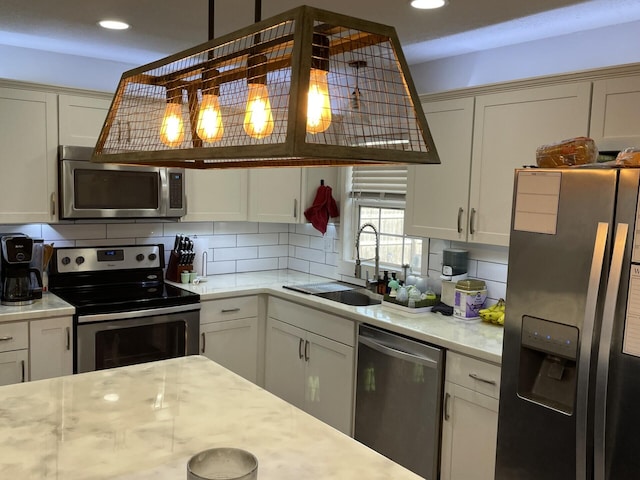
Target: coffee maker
x: 20, y: 282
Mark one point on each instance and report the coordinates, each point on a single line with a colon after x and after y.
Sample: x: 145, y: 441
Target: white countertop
x: 477, y: 339
x: 145, y: 421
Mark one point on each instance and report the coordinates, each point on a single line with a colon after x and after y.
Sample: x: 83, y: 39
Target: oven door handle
x: 103, y: 317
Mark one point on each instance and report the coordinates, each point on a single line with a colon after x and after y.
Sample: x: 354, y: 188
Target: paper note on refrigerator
x: 537, y: 198
x: 631, y: 342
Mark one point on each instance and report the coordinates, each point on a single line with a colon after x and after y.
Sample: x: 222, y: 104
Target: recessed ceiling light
x: 428, y: 4
x: 113, y: 24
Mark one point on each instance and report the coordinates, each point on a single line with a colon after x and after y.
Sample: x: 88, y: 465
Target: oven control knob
x: 65, y: 260
x: 80, y: 260
x: 152, y: 256
x: 140, y: 257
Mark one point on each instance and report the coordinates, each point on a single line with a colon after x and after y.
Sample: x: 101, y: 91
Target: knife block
x: 174, y: 270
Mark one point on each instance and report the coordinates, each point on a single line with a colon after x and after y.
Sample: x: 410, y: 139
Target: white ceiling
x: 160, y: 28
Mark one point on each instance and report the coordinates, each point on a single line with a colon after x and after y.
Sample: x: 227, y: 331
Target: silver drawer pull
x: 229, y: 310
x: 483, y: 380
x: 5, y: 339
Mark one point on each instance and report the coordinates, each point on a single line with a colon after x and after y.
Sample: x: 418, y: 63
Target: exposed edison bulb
x: 318, y: 105
x: 258, y: 118
x: 209, y: 126
x: 172, y: 129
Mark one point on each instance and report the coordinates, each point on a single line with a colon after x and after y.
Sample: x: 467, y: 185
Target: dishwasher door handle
x: 427, y: 362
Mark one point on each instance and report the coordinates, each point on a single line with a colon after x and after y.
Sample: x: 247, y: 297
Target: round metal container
x: 223, y: 464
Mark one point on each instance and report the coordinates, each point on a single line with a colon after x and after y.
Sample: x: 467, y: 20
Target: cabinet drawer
x: 13, y: 336
x: 228, y: 309
x: 479, y: 376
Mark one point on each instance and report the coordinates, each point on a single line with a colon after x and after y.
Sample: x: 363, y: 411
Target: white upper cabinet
x: 81, y: 119
x: 217, y: 194
x: 438, y: 195
x: 615, y: 113
x: 29, y: 139
x: 508, y: 127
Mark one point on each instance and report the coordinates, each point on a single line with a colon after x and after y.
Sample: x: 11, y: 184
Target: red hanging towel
x: 324, y: 206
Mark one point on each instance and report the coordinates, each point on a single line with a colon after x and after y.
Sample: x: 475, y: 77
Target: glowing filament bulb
x: 209, y: 126
x: 258, y: 118
x: 172, y: 129
x: 318, y: 105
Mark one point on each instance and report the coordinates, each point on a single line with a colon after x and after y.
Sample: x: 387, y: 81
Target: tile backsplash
x: 234, y: 247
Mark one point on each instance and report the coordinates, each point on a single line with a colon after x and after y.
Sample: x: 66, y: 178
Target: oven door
x: 127, y: 338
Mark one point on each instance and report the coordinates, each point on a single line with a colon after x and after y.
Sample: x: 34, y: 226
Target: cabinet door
x: 233, y: 344
x: 615, y: 113
x: 274, y: 195
x: 14, y: 367
x: 51, y: 346
x: 438, y: 195
x: 284, y: 362
x: 80, y: 119
x: 329, y: 381
x: 216, y: 195
x: 508, y: 127
x: 469, y: 434
x: 29, y: 139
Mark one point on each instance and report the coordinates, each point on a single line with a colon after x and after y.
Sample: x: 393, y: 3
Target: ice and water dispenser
x: 548, y: 356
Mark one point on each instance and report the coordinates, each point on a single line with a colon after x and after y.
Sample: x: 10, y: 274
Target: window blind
x: 389, y: 181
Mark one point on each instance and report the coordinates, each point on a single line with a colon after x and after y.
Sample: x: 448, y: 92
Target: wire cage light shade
x: 276, y: 93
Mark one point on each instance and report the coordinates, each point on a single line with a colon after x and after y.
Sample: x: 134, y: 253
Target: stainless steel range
x: 125, y: 312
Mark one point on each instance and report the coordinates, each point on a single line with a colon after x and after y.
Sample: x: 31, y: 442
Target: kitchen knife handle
x: 300, y: 354
x: 604, y: 352
x: 204, y: 342
x: 460, y: 211
x: 472, y: 221
x: 447, y: 397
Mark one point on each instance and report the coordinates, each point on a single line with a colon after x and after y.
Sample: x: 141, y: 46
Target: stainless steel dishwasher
x: 398, y: 399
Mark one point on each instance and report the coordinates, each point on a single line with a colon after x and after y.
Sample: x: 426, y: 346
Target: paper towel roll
x: 200, y: 245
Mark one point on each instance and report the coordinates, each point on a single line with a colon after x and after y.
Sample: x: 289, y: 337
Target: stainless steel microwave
x: 100, y: 190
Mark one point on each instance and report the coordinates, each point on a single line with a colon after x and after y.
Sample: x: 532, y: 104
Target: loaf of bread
x: 574, y: 151
x: 629, y: 157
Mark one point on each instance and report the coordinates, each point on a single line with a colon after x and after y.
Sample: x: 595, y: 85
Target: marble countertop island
x: 145, y: 421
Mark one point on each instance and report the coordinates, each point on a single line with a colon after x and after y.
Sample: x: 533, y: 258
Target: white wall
x: 603, y: 47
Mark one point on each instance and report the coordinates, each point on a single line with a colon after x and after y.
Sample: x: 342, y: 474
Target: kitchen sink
x: 339, y: 292
x: 351, y: 297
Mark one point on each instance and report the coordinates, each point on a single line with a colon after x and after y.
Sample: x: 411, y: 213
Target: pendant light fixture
x: 276, y: 93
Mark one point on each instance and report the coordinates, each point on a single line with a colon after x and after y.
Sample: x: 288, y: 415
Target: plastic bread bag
x: 567, y: 153
x: 629, y: 157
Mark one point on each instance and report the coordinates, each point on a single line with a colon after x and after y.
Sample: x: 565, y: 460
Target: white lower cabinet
x: 229, y: 334
x: 14, y: 353
x: 309, y: 361
x: 51, y: 347
x: 470, y: 419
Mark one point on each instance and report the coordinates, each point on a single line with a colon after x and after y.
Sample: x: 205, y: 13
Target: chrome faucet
x: 358, y: 272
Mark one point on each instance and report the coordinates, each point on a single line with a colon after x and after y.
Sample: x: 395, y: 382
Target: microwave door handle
x: 604, y: 353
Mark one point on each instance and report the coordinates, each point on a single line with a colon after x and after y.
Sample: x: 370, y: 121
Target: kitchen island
x: 145, y: 421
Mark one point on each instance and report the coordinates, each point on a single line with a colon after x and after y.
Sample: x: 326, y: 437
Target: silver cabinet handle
x: 604, y: 353
x: 204, y: 342
x: 53, y: 203
x: 23, y: 372
x: 460, y: 211
x: 68, y: 331
x: 472, y: 221
x: 447, y: 397
x: 300, y: 354
x: 229, y: 310
x: 306, y: 351
x: 295, y: 208
x: 483, y: 380
x: 5, y: 339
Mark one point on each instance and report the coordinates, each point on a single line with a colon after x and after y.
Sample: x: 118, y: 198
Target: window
x: 378, y: 195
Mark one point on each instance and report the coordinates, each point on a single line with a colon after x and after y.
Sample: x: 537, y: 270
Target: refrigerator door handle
x: 584, y: 361
x: 606, y: 334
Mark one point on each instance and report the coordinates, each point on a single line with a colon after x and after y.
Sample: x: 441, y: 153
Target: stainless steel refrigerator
x: 570, y: 388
